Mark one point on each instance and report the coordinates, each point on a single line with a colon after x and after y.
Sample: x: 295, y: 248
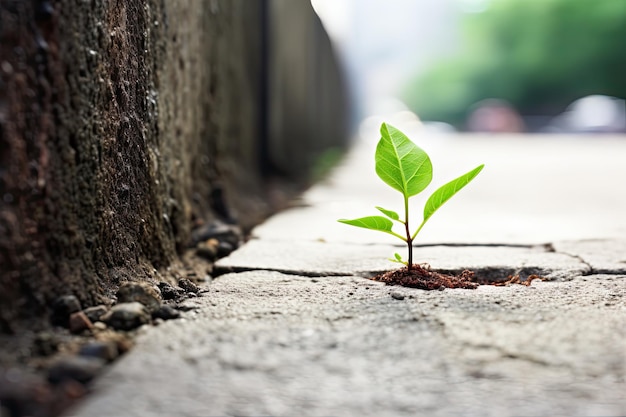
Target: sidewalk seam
x: 590, y: 270
x: 219, y: 271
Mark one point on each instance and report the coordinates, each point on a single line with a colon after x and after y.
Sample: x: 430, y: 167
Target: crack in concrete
x: 503, y: 352
x: 486, y: 273
x: 590, y: 270
x: 507, y: 354
x: 489, y: 274
x: 220, y: 270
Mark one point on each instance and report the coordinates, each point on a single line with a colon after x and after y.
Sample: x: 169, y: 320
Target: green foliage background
x: 539, y: 55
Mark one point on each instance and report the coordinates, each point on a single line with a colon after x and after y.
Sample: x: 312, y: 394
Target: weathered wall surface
x: 122, y: 123
x: 308, y: 101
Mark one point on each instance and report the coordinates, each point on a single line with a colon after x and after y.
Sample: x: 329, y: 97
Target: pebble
x: 99, y: 325
x: 166, y: 312
x: 62, y: 308
x: 224, y: 249
x: 213, y: 249
x: 127, y: 316
x: 168, y: 292
x: 106, y: 350
x: 78, y: 368
x: 79, y: 322
x: 219, y: 231
x: 140, y: 292
x: 397, y: 296
x: 208, y: 249
x: 188, y: 286
x: 121, y: 340
x: 186, y: 306
x: 94, y: 313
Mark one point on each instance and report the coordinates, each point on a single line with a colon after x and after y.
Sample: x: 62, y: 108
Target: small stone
x: 188, y: 286
x: 79, y: 322
x: 397, y: 296
x: 7, y: 67
x: 166, y: 312
x: 94, y: 313
x: 99, y: 325
x: 208, y: 249
x: 220, y: 231
x: 140, y: 292
x: 78, y: 368
x: 186, y: 306
x: 168, y: 292
x: 127, y: 316
x: 224, y: 249
x: 121, y: 340
x: 106, y: 350
x: 62, y: 308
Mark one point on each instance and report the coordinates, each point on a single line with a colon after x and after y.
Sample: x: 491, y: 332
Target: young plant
x: 405, y: 167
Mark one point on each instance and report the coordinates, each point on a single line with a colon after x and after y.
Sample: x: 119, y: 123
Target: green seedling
x: 405, y: 167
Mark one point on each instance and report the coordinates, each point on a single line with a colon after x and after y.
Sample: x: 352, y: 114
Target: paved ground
x: 293, y: 328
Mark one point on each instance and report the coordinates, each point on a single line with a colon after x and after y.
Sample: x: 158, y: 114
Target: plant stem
x: 409, y: 238
x: 409, y: 244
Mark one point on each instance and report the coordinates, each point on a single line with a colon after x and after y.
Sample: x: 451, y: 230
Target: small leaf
x: 380, y: 223
x: 391, y: 214
x: 397, y: 259
x: 445, y: 192
x: 400, y: 163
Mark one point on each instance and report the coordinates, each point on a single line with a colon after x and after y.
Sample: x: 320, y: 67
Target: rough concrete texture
x: 125, y: 124
x: 105, y: 111
x: 264, y: 343
x: 298, y: 330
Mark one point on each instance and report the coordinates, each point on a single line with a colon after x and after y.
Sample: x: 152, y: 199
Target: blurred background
x: 534, y: 66
x: 534, y: 89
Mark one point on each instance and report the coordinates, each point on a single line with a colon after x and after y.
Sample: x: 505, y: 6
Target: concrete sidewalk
x: 292, y: 327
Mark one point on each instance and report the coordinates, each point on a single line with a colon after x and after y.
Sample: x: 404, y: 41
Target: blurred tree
x: 539, y: 55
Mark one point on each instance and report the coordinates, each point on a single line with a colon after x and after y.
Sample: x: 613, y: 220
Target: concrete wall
x: 308, y: 99
x: 124, y: 123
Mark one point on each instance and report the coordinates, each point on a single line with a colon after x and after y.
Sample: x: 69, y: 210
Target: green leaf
x: 398, y: 259
x: 371, y: 222
x: 380, y: 223
x: 445, y: 192
x: 400, y: 163
x: 391, y: 214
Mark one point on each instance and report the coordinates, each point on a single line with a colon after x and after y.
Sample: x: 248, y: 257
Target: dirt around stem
x: 422, y: 277
x: 425, y: 279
